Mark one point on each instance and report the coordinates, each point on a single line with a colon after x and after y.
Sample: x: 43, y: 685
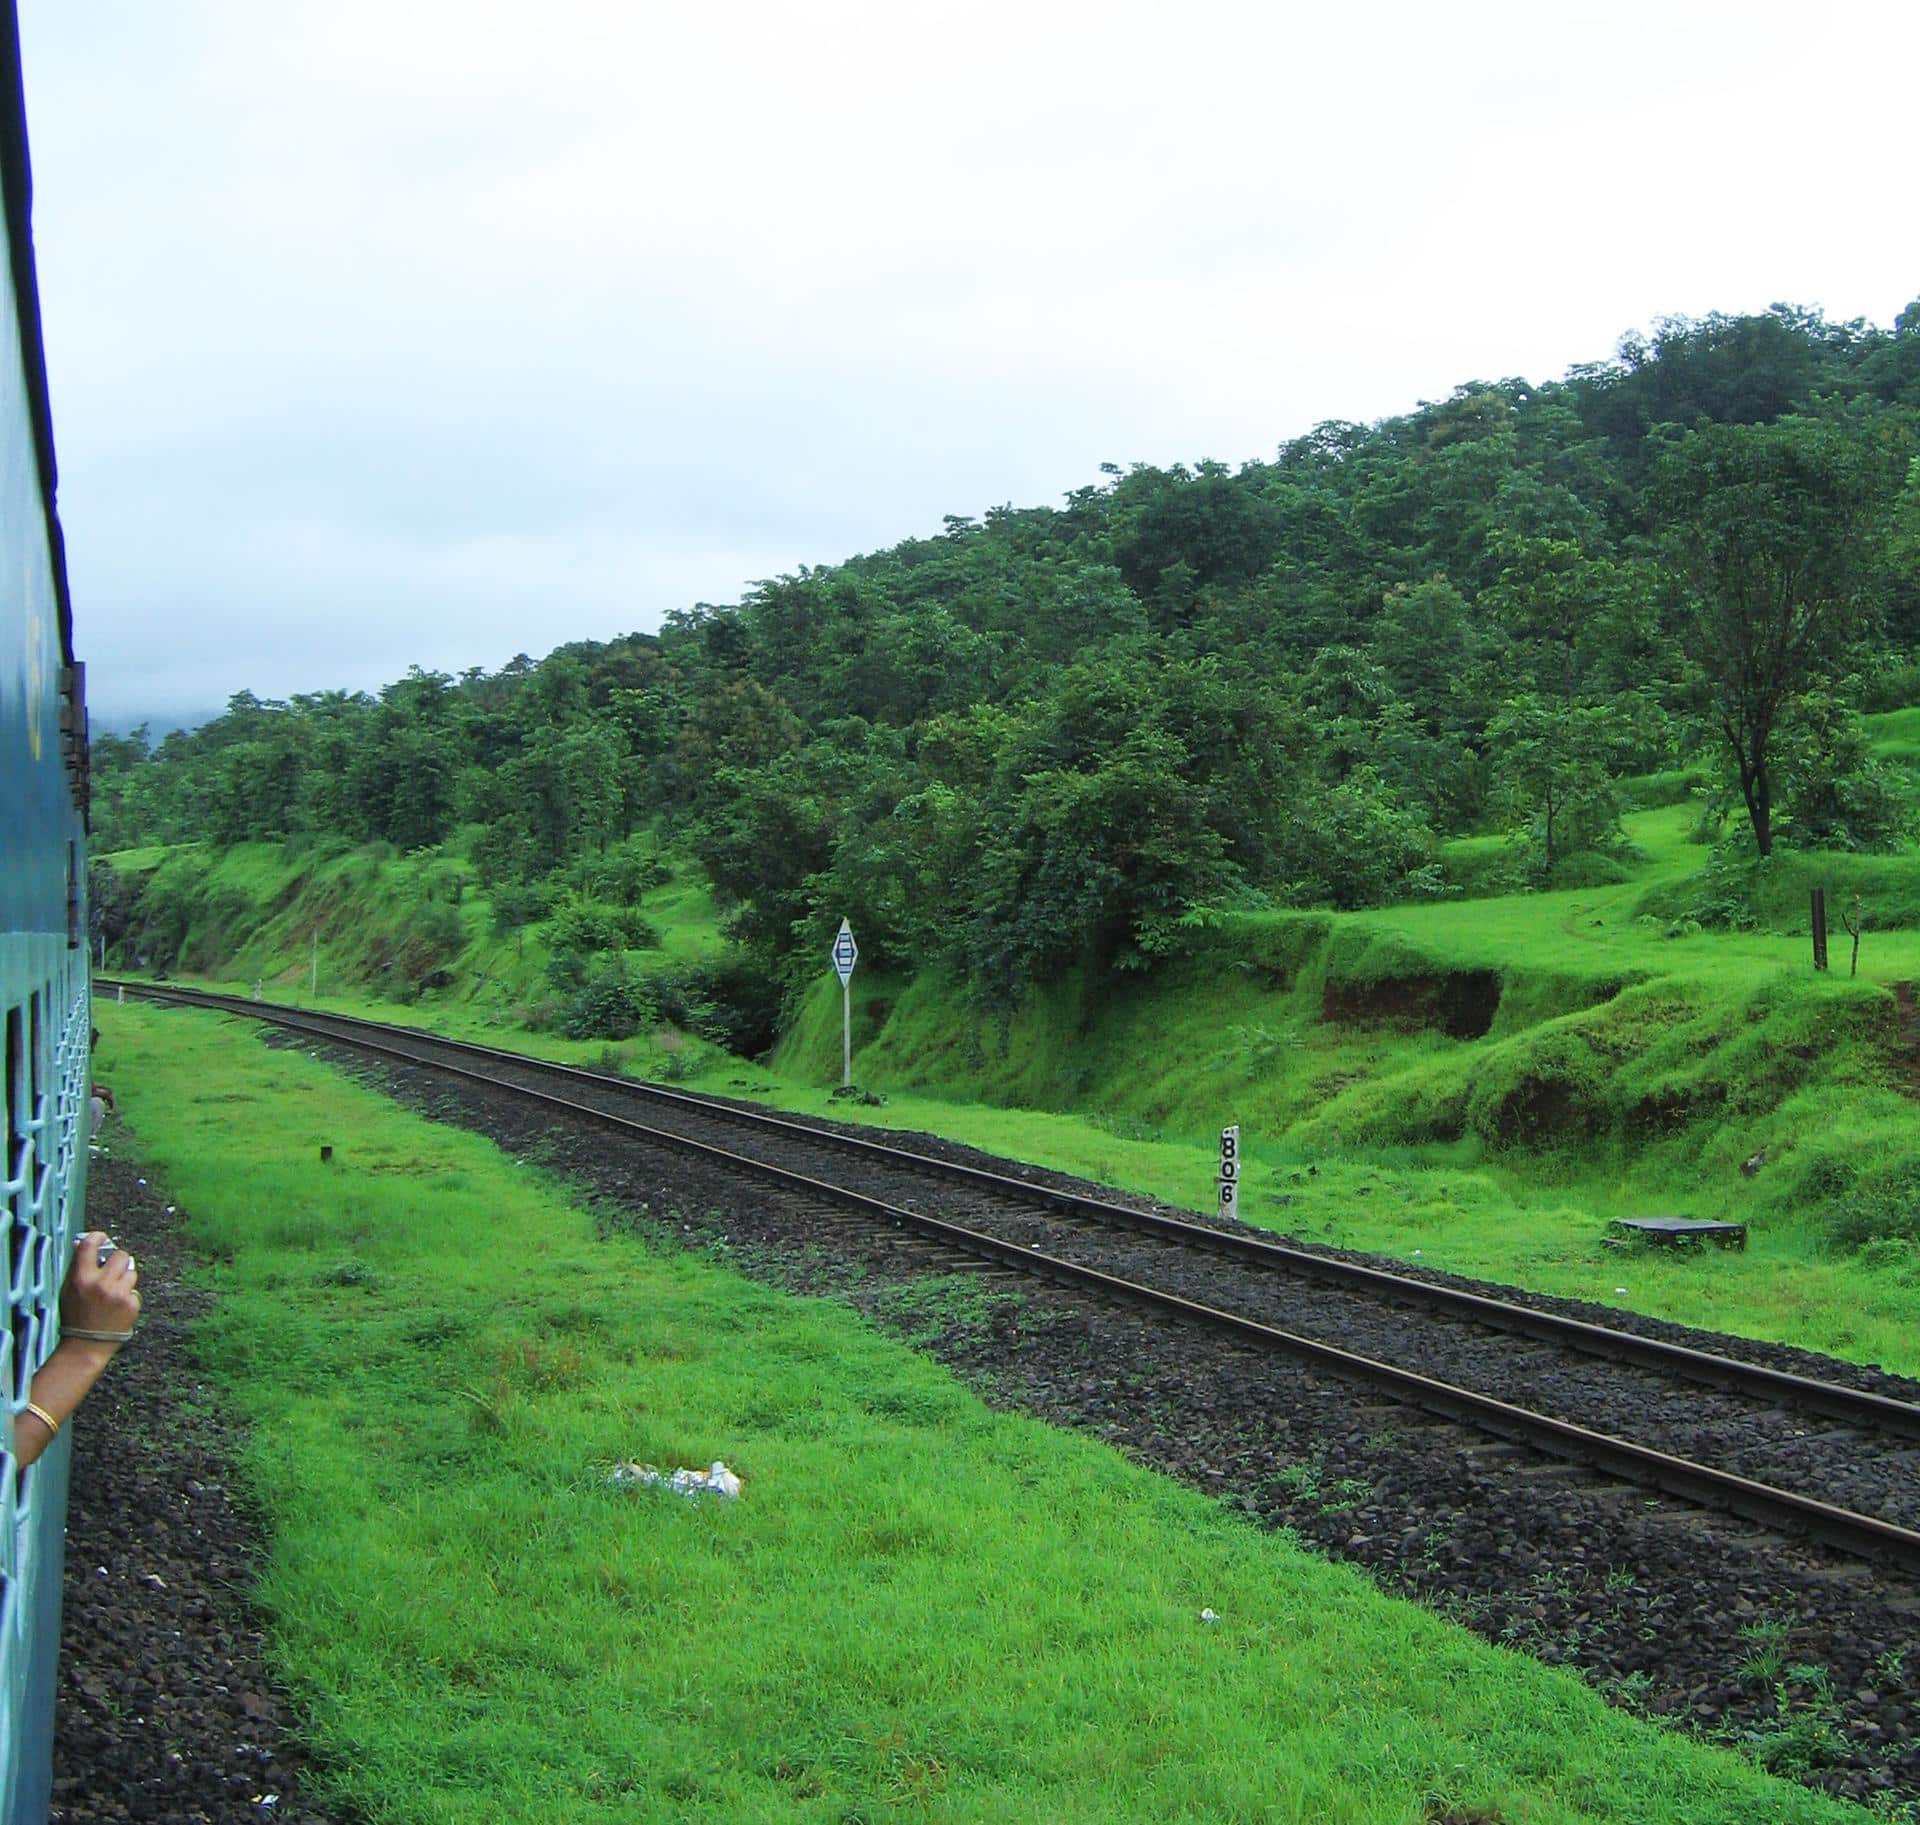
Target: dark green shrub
x: 1590, y: 868
x: 1882, y: 1203
x: 625, y: 872
x: 1711, y: 823
x: 1355, y: 845
x: 637, y: 931
x: 540, y: 1015
x: 730, y: 1002
x: 1823, y: 1177
x: 610, y: 1003
x: 1737, y: 891
x: 1648, y: 791
x: 1894, y: 1257
x: 443, y: 881
x: 583, y: 931
x: 1477, y: 873
x: 582, y: 928
x: 1832, y: 793
x: 518, y: 904
x: 1891, y: 687
x: 1723, y: 896
x: 496, y: 855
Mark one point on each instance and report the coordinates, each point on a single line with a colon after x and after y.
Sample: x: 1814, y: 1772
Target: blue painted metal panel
x: 36, y: 808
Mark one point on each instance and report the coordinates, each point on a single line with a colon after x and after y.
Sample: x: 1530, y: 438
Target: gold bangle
x: 43, y: 1416
x: 73, y: 1330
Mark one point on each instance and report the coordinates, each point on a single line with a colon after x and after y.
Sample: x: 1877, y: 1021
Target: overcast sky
x: 432, y: 332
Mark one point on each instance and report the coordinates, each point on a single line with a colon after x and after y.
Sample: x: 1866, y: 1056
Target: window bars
x: 44, y: 1034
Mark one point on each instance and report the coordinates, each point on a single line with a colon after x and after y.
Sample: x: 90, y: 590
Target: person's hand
x: 102, y: 1290
x: 99, y: 1302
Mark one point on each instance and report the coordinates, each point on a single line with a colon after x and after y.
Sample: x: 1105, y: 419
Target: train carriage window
x: 16, y: 1181
x: 6, y: 1583
x: 19, y: 1154
x: 30, y: 1187
x: 14, y: 1067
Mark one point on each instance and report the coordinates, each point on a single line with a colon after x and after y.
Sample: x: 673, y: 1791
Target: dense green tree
x: 1771, y: 544
x: 124, y: 813
x: 1176, y: 531
x: 1137, y: 791
x: 1355, y: 844
x: 1550, y: 776
x: 1834, y: 793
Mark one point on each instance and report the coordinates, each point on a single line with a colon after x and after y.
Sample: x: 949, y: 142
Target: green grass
x: 142, y: 861
x: 1891, y: 729
x: 920, y: 1609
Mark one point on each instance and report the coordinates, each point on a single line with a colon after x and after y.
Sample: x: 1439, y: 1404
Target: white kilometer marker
x: 1230, y: 1171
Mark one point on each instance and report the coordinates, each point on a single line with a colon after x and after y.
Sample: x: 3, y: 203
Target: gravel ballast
x: 166, y: 1711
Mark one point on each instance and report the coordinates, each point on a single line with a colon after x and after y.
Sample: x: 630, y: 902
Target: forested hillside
x: 1060, y: 737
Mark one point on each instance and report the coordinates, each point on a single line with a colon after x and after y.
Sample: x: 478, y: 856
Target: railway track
x: 1792, y: 1452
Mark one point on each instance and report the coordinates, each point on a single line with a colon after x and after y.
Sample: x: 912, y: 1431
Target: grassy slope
x: 1628, y: 1071
x: 920, y: 1608
x: 268, y: 901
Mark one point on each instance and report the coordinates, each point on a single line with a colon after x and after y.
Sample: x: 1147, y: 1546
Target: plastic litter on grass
x: 716, y: 1479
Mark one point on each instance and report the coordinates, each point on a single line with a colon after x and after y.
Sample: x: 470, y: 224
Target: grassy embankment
x: 371, y: 926
x: 1631, y: 1063
x: 1623, y: 1071
x: 919, y: 1609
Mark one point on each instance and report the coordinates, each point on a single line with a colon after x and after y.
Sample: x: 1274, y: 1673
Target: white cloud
x: 660, y: 299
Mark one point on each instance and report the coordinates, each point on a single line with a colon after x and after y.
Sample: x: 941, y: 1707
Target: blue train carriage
x: 44, y: 1011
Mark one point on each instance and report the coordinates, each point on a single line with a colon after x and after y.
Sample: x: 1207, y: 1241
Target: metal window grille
x: 43, y: 1090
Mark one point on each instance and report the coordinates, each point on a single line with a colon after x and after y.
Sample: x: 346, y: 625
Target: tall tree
x: 1771, y: 542
x: 1550, y: 775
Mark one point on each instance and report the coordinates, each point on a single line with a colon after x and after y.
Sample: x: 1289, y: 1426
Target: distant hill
x: 159, y: 724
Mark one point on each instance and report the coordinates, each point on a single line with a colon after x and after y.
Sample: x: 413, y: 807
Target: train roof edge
x: 16, y: 184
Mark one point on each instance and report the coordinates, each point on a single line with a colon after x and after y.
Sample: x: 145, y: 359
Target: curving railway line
x: 1795, y: 1454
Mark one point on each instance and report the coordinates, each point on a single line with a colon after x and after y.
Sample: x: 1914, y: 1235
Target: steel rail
x: 1860, y: 1535
x: 1851, y: 1406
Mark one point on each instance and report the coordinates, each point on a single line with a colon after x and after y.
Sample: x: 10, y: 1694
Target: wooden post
x: 1819, y: 928
x: 1853, y: 919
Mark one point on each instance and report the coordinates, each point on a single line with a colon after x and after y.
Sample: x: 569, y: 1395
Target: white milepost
x: 845, y: 954
x: 1230, y: 1171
